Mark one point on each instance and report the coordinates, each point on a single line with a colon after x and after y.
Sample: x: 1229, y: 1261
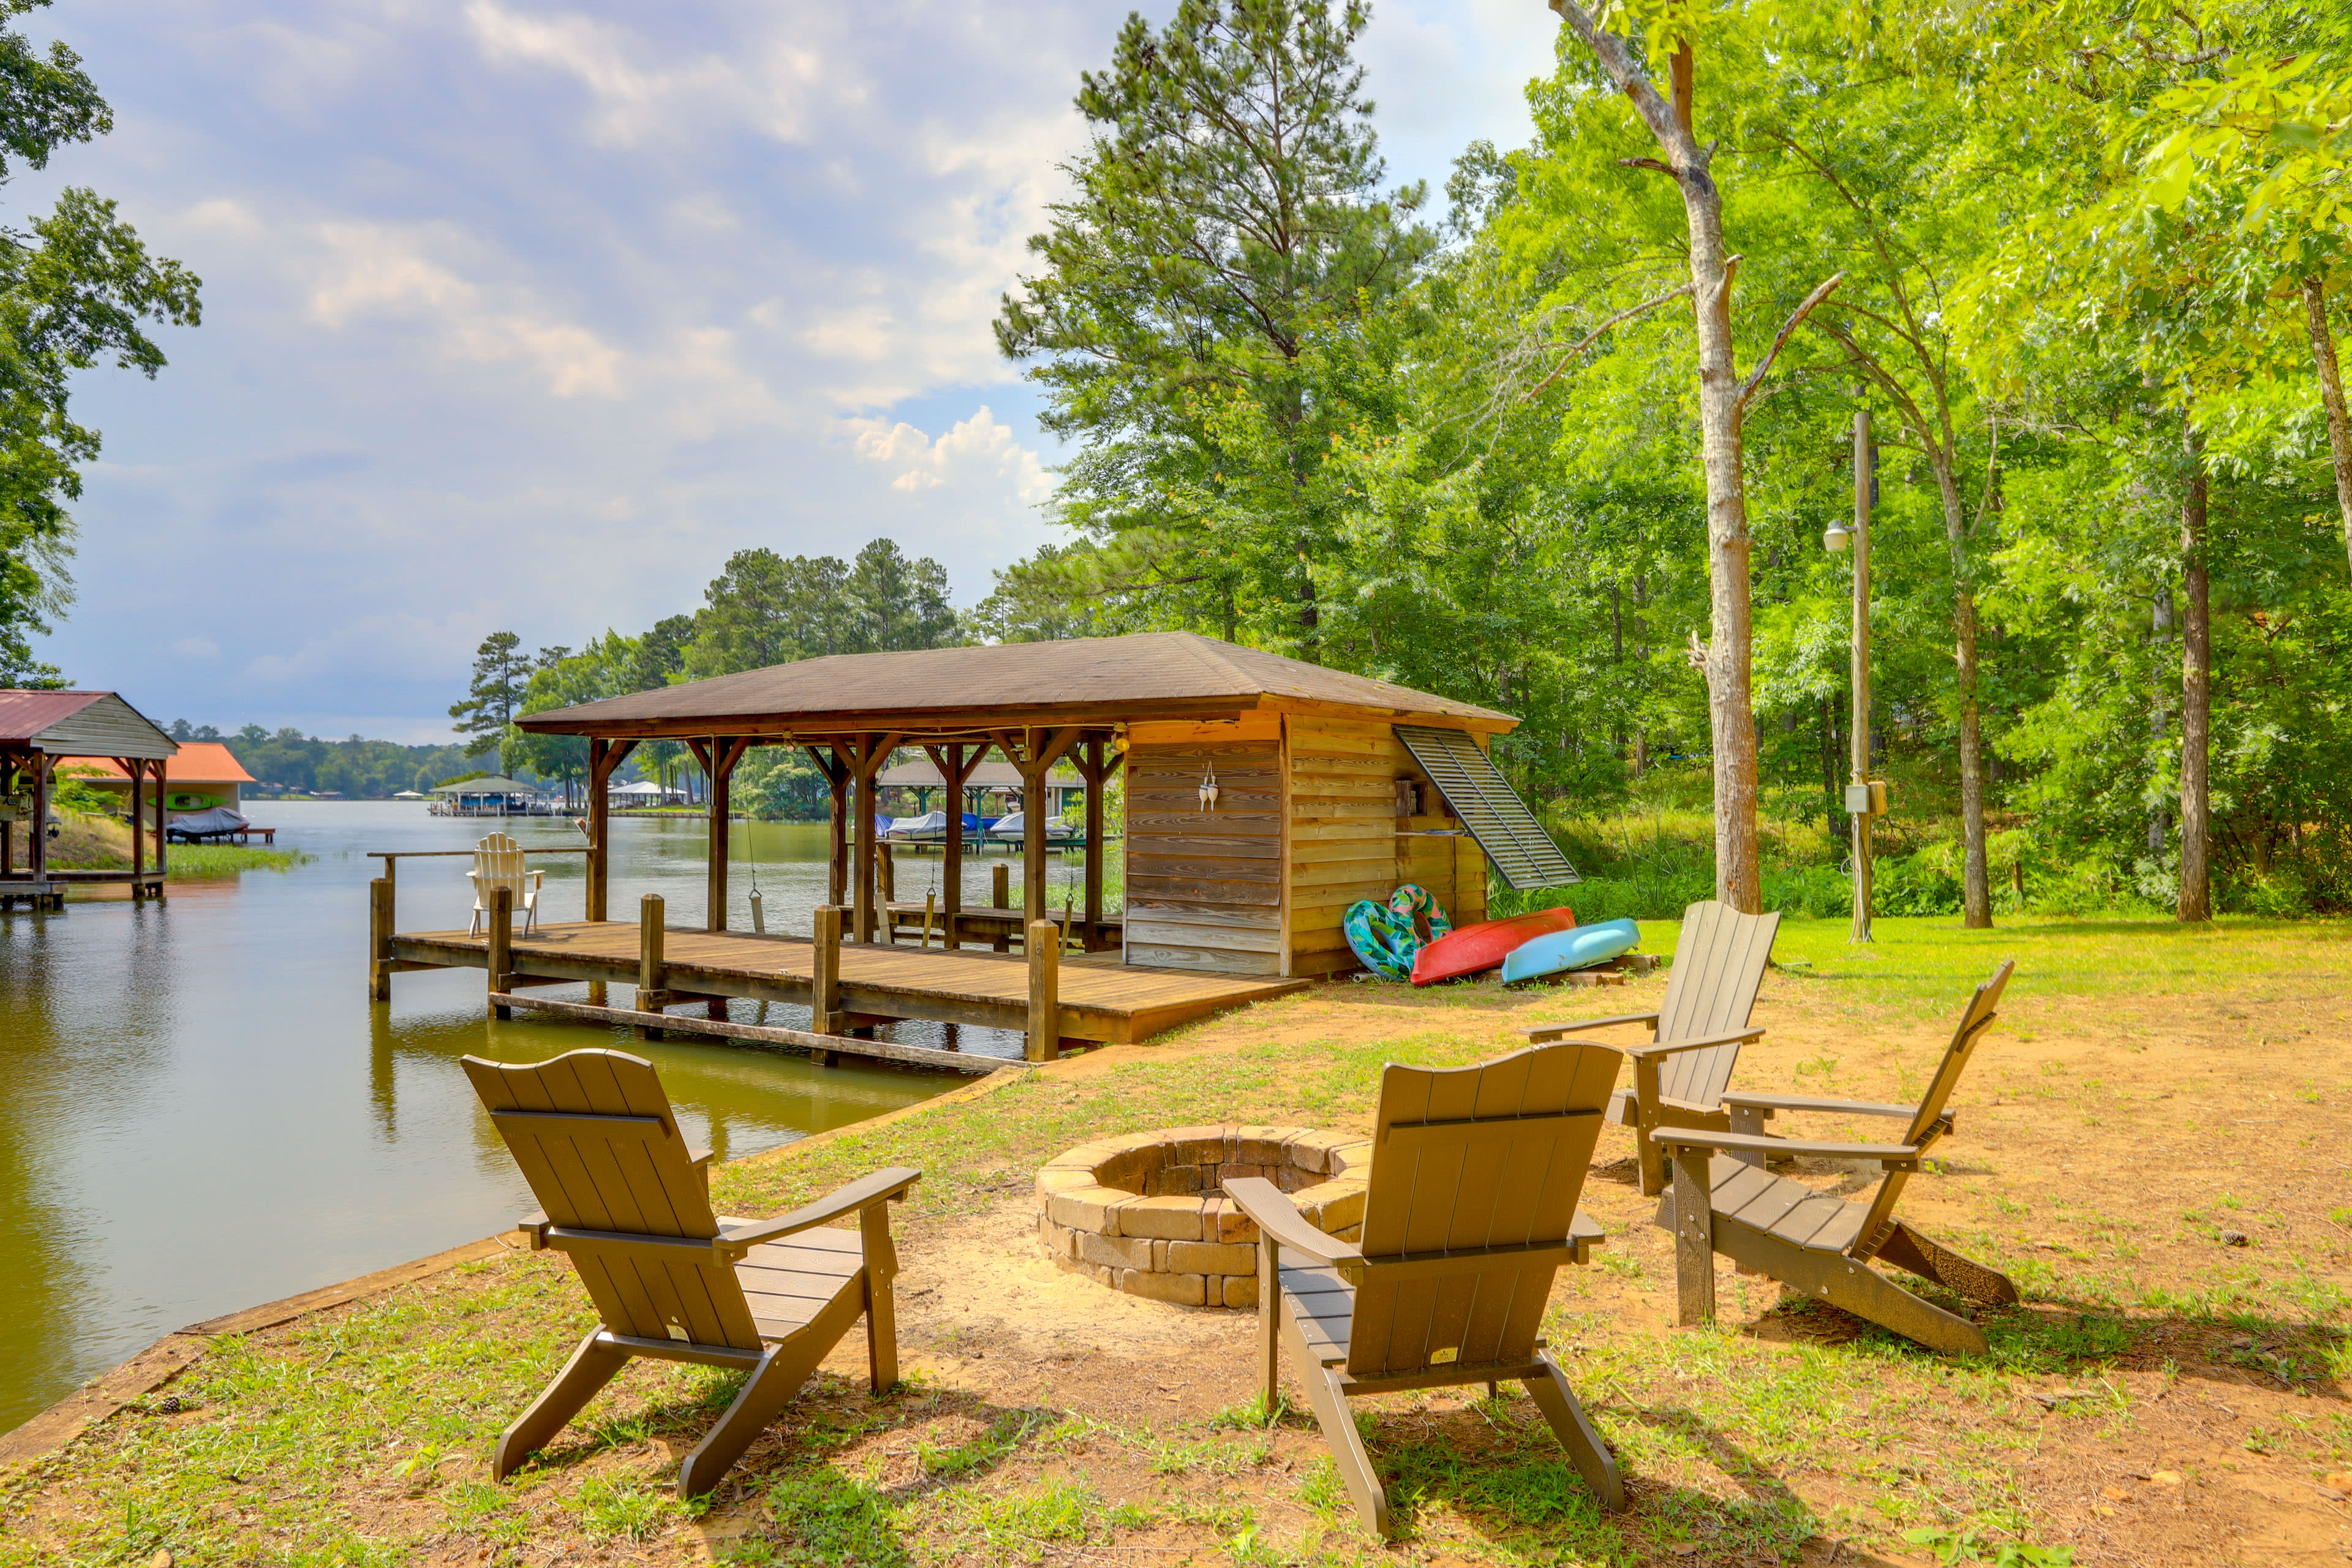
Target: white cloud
x: 196, y: 647
x: 775, y: 89
x: 367, y: 270
x: 978, y: 451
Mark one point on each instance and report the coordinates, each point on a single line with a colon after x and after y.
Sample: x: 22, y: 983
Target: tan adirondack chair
x: 498, y: 863
x: 1470, y: 1213
x: 630, y: 1205
x: 1820, y: 1245
x: 1695, y: 1034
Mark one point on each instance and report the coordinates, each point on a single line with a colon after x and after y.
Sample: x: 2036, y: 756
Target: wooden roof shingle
x: 1148, y: 674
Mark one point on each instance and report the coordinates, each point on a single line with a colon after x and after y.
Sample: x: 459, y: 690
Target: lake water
x: 200, y: 1110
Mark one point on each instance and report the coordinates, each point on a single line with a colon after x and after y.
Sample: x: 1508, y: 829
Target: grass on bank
x: 358, y: 1437
x: 90, y: 842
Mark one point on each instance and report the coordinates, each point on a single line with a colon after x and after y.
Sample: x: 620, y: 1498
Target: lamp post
x: 1863, y: 800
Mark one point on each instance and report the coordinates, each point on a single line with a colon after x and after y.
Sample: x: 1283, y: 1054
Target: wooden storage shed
x: 1328, y: 788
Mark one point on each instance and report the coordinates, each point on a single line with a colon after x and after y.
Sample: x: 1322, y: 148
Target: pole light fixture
x: 1835, y: 538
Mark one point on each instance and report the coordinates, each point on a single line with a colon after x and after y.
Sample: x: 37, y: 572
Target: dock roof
x: 79, y: 724
x: 969, y: 691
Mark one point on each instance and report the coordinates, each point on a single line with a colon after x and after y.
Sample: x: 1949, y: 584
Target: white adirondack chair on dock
x: 498, y: 863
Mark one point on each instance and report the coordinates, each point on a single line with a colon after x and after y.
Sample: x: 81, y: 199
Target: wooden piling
x: 824, y: 978
x: 501, y: 945
x: 653, y: 983
x: 1044, y: 942
x: 380, y: 939
x: 1000, y: 889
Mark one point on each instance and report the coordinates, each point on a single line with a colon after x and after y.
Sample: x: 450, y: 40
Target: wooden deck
x: 1101, y: 998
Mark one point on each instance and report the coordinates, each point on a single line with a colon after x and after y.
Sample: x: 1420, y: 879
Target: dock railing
x: 382, y: 891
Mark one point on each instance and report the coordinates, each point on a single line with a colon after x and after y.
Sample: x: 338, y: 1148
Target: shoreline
x: 97, y: 1398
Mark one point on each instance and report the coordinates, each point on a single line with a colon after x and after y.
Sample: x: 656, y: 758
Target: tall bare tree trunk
x: 1975, y: 897
x: 2195, y: 695
x: 2159, y: 821
x: 1726, y: 660
x: 2331, y: 397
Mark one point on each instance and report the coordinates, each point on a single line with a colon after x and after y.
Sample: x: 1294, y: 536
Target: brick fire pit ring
x: 1147, y: 1213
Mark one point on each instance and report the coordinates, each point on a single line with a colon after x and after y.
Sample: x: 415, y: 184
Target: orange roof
x: 199, y: 762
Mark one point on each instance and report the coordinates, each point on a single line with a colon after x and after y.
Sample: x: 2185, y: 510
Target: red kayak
x: 1473, y: 948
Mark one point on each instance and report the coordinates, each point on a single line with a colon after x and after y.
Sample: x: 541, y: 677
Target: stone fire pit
x: 1147, y: 1213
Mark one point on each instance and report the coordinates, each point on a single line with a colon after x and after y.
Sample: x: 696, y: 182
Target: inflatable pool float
x: 1383, y: 935
x: 1473, y: 948
x: 1566, y: 949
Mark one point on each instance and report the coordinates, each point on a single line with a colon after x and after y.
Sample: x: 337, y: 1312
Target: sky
x: 526, y: 315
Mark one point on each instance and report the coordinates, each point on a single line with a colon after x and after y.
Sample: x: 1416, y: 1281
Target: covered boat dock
x: 39, y: 731
x: 1263, y: 797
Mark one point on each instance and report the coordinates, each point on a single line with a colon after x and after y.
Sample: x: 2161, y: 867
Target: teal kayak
x: 1577, y: 948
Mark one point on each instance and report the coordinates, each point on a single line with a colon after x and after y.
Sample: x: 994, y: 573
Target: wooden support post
x: 868, y: 754
x: 1000, y: 887
x: 824, y: 973
x: 37, y: 844
x: 1033, y: 835
x: 830, y: 764
x: 1694, y: 1238
x: 652, y: 982
x: 955, y: 762
x: 501, y: 946
x: 718, y: 757
x: 380, y: 939
x: 1096, y: 761
x: 889, y: 864
x: 603, y: 758
x: 163, y: 838
x: 137, y: 768
x: 1044, y: 991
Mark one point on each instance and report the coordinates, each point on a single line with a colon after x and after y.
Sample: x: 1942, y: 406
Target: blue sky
x: 526, y: 316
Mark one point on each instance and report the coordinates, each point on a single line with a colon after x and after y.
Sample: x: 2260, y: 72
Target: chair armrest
x: 1798, y: 1102
x: 698, y: 1156
x: 860, y: 1194
x: 1670, y: 1048
x: 1894, y: 1156
x: 534, y: 1227
x: 1277, y: 1216
x: 1539, y: 1034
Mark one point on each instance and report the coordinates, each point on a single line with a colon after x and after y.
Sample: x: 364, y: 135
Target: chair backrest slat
x: 1465, y: 1158
x: 1719, y: 963
x: 499, y: 863
x: 595, y: 1138
x: 1976, y: 1022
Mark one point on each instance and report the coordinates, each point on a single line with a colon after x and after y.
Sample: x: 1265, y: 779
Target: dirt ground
x: 2116, y: 1138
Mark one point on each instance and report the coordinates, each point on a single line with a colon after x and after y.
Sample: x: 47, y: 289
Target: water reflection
x: 200, y: 1110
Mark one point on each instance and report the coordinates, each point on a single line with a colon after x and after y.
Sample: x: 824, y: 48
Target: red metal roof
x: 198, y: 763
x: 25, y: 714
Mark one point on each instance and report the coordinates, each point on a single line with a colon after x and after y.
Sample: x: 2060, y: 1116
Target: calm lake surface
x: 200, y: 1110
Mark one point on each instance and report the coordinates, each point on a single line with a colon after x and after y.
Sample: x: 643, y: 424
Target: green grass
x: 194, y: 861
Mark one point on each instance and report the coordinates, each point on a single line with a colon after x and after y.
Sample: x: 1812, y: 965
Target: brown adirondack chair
x: 630, y: 1205
x: 1695, y: 1034
x: 1820, y: 1245
x: 1470, y: 1213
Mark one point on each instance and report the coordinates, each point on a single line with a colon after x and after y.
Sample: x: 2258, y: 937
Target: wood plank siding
x: 1204, y: 889
x: 1346, y: 840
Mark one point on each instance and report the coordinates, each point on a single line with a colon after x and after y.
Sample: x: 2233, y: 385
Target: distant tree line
x: 761, y: 610
x: 358, y: 768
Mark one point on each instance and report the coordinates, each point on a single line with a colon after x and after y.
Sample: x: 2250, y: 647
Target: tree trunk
x: 1727, y: 666
x: 2331, y: 397
x: 2195, y: 695
x: 2159, y: 821
x: 1975, y: 898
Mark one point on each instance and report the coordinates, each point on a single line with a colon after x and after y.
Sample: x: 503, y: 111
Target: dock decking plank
x: 1100, y: 1001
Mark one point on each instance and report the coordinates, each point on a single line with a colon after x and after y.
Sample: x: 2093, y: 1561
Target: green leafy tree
x: 765, y: 610
x: 75, y: 290
x: 1226, y: 211
x: 501, y: 675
